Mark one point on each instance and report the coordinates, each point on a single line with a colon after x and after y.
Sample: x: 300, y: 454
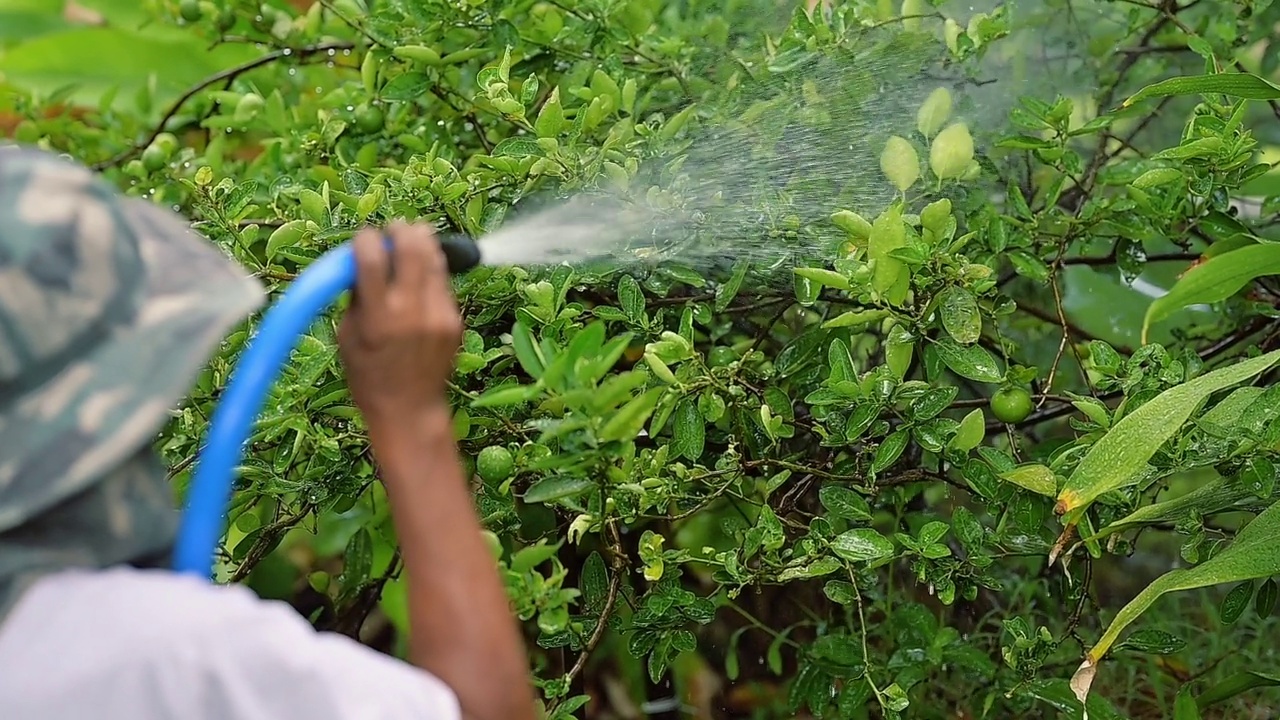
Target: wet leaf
x: 1240, y: 85
x: 1036, y: 478
x: 1234, y: 685
x: 971, y: 432
x: 973, y: 362
x: 844, y: 503
x: 862, y: 545
x: 1252, y: 555
x: 688, y: 429
x: 1234, y: 604
x: 1214, y: 280
x: 960, y: 315
x: 1124, y: 451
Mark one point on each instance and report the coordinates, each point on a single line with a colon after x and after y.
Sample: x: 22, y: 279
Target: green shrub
x: 783, y: 469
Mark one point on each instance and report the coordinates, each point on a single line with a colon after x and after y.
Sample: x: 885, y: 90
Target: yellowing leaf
x: 1036, y: 478
x: 1124, y: 451
x: 934, y: 113
x: 1215, y: 280
x: 900, y: 163
x: 970, y: 433
x: 951, y: 152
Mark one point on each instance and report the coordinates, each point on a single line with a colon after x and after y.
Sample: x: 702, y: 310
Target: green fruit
x: 226, y: 19
x: 154, y: 158
x: 27, y: 133
x: 370, y: 118
x: 190, y: 10
x: 167, y: 142
x: 721, y: 356
x: 249, y: 107
x: 495, y: 464
x: 1011, y: 405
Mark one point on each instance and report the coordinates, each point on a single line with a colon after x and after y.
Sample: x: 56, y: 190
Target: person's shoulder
x: 184, y: 632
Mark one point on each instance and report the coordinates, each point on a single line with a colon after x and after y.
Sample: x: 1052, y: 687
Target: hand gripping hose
x: 318, y: 287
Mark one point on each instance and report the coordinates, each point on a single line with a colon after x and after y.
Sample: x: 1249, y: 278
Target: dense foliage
x: 905, y: 451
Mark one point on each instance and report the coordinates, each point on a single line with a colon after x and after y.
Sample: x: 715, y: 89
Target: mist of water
x: 784, y: 149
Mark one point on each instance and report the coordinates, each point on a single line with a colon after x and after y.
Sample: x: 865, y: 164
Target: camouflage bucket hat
x: 109, y: 307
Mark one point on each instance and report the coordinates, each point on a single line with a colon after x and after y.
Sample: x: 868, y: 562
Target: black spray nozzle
x: 461, y: 252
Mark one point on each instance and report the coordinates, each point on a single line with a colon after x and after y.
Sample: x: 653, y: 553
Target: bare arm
x: 399, y: 339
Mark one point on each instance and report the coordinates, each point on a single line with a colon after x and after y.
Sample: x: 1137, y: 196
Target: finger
x: 415, y: 246
x: 372, y: 265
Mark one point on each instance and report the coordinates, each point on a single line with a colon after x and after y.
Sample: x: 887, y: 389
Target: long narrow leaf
x: 1215, y: 280
x: 1234, y: 685
x: 1254, y: 554
x: 1240, y: 85
x: 1212, y: 497
x: 1121, y: 454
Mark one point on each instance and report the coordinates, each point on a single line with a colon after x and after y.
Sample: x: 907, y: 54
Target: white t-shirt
x: 125, y: 644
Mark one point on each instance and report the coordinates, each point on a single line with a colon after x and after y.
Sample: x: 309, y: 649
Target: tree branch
x: 225, y: 76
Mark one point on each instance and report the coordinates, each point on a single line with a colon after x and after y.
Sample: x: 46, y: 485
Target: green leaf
x: 518, y: 147
x: 505, y: 395
x: 631, y: 298
x: 1265, y: 601
x: 527, y: 351
x: 1124, y: 451
x: 1184, y: 705
x: 1241, y: 85
x: 729, y: 290
x: 829, y: 278
x: 1036, y: 478
x: 844, y: 503
x: 960, y: 315
x: 973, y: 362
x: 1234, y: 685
x: 971, y: 432
x: 931, y: 403
x: 890, y: 450
x: 557, y: 488
x: 862, y: 545
x: 839, y: 592
x: 1234, y: 604
x: 1212, y: 497
x: 840, y: 361
x: 358, y: 558
x: 1251, y: 556
x: 594, y: 583
x: 1152, y: 641
x: 688, y: 429
x: 1215, y: 280
x: 628, y: 421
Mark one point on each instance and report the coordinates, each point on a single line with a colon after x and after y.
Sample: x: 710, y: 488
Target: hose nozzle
x: 461, y: 252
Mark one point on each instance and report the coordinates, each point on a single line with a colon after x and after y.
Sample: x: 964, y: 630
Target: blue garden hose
x: 318, y: 287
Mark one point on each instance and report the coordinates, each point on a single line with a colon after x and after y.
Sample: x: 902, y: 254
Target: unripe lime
x: 900, y: 163
x: 167, y: 142
x: 249, y: 107
x: 154, y: 158
x: 1011, y: 405
x: 495, y: 464
x: 27, y: 132
x: 226, y: 18
x: 370, y: 118
x: 951, y: 152
x: 190, y: 10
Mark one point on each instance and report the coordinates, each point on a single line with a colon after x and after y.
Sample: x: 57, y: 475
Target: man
x: 108, y: 308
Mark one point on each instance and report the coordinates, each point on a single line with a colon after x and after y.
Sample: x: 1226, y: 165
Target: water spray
x: 315, y: 289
